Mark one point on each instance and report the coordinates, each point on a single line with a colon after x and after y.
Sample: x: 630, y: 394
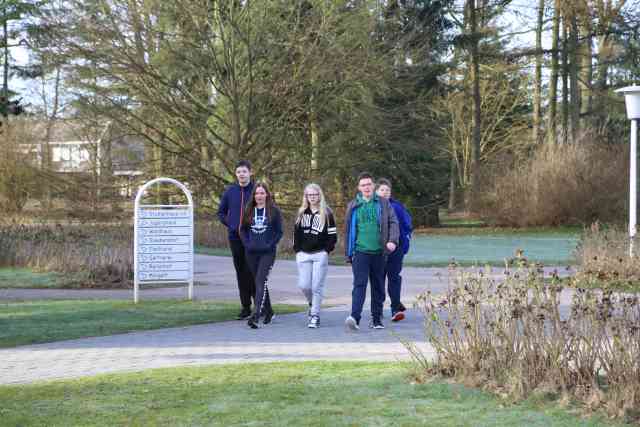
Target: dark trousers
x: 394, y: 279
x: 367, y: 267
x: 246, y: 284
x: 261, y: 265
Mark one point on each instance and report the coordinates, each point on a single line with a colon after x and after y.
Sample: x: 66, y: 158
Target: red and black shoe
x: 397, y: 316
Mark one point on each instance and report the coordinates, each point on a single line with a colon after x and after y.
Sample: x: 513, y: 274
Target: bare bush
x: 93, y: 255
x: 559, y: 184
x: 603, y: 256
x: 211, y: 234
x: 514, y: 337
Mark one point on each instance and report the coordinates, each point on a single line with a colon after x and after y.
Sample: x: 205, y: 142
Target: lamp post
x: 632, y: 101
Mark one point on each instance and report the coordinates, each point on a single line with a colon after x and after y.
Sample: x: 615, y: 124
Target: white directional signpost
x: 163, y: 241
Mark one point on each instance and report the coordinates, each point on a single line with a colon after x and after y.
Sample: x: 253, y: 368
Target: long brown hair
x: 251, y: 204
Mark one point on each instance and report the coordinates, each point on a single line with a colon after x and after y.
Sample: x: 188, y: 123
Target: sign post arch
x: 162, y: 240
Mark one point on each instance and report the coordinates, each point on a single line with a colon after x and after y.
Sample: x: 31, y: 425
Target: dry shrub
x: 513, y: 337
x: 92, y: 255
x: 211, y: 234
x: 561, y: 184
x: 603, y: 256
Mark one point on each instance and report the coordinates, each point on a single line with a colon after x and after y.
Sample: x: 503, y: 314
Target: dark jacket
x: 264, y: 233
x: 404, y: 222
x: 307, y: 236
x: 231, y: 207
x: 387, y: 225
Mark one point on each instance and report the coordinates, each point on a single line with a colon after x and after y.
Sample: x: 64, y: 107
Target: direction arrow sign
x: 161, y: 240
x: 164, y: 213
x: 165, y: 231
x: 157, y: 222
x: 162, y: 266
x: 165, y: 249
x: 160, y: 276
x: 170, y: 257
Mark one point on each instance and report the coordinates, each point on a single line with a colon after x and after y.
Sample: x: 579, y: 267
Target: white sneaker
x: 351, y: 324
x: 314, y: 322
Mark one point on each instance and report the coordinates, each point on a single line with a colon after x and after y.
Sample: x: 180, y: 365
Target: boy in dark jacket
x: 371, y: 234
x: 230, y: 214
x: 394, y: 261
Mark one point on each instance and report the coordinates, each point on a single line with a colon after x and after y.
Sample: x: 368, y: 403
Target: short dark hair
x: 383, y: 181
x: 364, y: 175
x: 243, y: 163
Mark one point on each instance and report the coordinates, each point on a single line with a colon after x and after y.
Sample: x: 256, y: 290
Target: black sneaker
x: 252, y: 324
x: 376, y: 324
x: 244, y: 314
x: 268, y: 317
x: 401, y: 307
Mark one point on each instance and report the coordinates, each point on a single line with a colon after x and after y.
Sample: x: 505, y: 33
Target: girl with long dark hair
x: 260, y: 231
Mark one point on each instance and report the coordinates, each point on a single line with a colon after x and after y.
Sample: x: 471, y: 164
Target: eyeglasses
x: 312, y: 194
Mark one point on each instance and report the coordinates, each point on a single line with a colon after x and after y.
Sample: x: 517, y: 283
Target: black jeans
x: 246, y: 283
x: 260, y: 265
x: 394, y: 284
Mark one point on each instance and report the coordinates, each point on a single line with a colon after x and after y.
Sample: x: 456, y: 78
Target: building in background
x: 100, y: 153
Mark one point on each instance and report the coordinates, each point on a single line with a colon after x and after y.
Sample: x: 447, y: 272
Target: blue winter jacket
x: 232, y: 206
x: 405, y: 223
x: 387, y: 223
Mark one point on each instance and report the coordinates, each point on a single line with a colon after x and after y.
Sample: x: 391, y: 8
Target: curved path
x: 287, y: 338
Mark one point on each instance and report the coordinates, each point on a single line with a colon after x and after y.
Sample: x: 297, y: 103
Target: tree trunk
x: 573, y: 77
x: 565, y: 83
x: 315, y: 142
x: 602, y: 71
x: 537, y: 90
x: 52, y: 117
x: 586, y: 79
x: 477, y: 117
x: 452, y: 186
x: 5, y: 72
x: 552, y: 132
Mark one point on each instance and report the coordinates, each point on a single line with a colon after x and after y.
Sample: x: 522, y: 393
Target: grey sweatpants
x: 312, y: 272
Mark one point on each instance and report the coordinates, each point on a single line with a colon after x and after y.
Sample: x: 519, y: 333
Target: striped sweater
x: 309, y: 237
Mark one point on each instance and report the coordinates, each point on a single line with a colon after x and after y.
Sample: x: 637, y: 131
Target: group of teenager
x: 377, y: 236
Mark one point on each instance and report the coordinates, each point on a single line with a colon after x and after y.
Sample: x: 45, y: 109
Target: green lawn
x: 275, y: 394
x: 476, y: 246
x: 33, y: 322
x: 447, y: 229
x: 11, y: 277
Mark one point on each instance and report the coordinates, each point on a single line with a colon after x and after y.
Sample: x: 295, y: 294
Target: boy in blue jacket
x: 371, y: 235
x: 230, y: 214
x: 394, y: 261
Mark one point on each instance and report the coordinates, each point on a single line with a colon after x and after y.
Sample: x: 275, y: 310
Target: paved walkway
x: 217, y: 274
x: 287, y: 338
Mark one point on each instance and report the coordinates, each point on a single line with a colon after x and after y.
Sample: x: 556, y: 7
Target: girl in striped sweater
x: 314, y: 239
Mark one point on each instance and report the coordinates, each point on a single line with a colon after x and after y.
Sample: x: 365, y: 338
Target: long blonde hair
x: 305, y: 204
